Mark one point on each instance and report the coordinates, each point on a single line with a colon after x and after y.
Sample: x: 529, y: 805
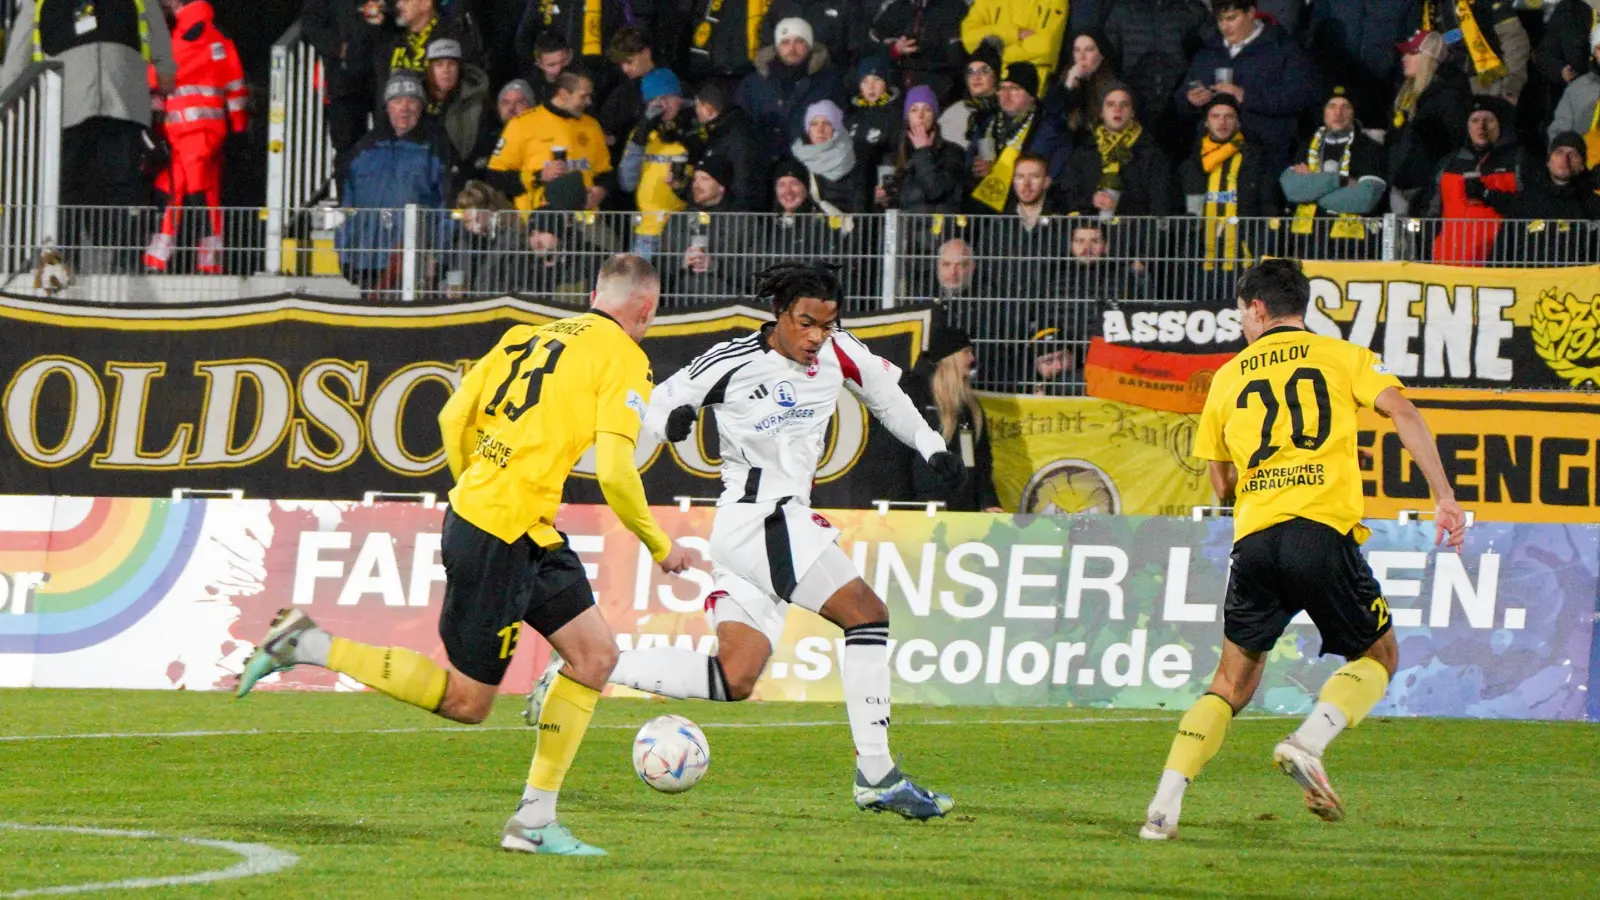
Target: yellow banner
x: 1084, y: 454
x: 1466, y: 327
x: 1513, y: 456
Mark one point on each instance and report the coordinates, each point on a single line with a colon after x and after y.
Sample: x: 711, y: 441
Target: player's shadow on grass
x: 321, y: 829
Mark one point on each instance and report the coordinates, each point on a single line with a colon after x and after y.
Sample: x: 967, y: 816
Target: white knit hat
x: 794, y: 26
x: 1594, y: 37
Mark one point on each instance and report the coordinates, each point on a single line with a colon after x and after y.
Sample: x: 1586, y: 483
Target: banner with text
x: 1085, y: 454
x: 986, y: 609
x: 1465, y: 327
x: 1512, y: 456
x: 292, y: 397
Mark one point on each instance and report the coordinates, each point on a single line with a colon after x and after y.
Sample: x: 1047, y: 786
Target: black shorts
x: 1301, y: 564
x: 491, y: 588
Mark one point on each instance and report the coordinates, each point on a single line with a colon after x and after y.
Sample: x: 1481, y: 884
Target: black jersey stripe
x: 740, y: 347
x: 780, y: 557
x: 719, y: 391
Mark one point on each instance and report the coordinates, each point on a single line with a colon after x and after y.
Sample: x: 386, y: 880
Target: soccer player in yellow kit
x: 521, y: 419
x: 1280, y: 430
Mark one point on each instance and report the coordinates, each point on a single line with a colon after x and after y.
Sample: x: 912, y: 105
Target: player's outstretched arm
x: 624, y: 493
x: 1450, y: 521
x: 876, y: 382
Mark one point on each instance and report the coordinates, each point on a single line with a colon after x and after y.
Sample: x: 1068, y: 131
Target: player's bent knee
x: 742, y: 684
x: 593, y: 666
x: 1385, y: 652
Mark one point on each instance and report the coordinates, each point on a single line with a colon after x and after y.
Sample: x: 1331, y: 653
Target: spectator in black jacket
x: 573, y: 21
x: 1153, y: 41
x: 965, y: 120
x: 725, y: 131
x: 1564, y: 51
x: 940, y: 385
x: 1119, y: 170
x: 929, y: 171
x: 1226, y: 184
x: 1337, y: 177
x: 704, y: 253
x: 923, y: 37
x: 789, y: 77
x: 1426, y: 124
x: 1020, y: 129
x: 550, y: 57
x: 874, y: 114
x: 1085, y: 78
x: 624, y: 106
x: 1354, y: 41
x: 722, y: 44
x: 421, y: 23
x: 838, y: 182
x: 1271, y: 80
x: 346, y: 34
x: 1552, y: 218
x: 840, y: 26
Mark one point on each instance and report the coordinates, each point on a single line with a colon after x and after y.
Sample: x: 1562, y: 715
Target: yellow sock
x: 397, y: 671
x: 568, y: 707
x: 1200, y: 734
x: 1355, y: 688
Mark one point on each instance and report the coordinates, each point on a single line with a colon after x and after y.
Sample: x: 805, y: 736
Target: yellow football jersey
x: 527, y: 412
x: 1284, y: 412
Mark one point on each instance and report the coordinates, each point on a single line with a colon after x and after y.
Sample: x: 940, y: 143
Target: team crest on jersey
x: 820, y: 521
x: 811, y: 370
x: 1381, y: 369
x: 636, y: 403
x: 783, y: 392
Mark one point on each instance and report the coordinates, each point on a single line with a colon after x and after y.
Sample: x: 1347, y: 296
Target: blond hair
x: 952, y: 392
x: 1429, y: 54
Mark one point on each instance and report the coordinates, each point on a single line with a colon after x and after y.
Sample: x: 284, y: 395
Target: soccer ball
x: 671, y: 754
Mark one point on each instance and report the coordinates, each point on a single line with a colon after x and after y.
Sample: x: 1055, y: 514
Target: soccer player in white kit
x: 774, y: 392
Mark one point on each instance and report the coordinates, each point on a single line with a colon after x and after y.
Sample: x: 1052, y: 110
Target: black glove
x: 681, y: 420
x: 951, y: 471
x: 1476, y: 189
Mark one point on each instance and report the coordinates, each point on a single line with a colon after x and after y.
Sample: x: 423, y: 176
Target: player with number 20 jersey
x: 1279, y: 428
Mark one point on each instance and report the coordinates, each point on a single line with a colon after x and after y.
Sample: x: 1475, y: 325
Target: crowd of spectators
x: 1256, y: 125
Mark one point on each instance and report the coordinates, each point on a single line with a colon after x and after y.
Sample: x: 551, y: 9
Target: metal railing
x: 30, y: 164
x: 1004, y: 281
x: 299, y: 155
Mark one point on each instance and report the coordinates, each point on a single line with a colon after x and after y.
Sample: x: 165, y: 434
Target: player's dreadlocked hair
x: 782, y: 284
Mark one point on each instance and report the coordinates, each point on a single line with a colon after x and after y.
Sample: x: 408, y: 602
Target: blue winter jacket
x: 1280, y: 83
x: 385, y: 174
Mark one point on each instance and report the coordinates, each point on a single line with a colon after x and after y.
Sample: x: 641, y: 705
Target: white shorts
x: 743, y: 571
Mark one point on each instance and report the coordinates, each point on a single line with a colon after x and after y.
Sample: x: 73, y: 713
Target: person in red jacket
x: 1491, y: 160
x: 210, y: 99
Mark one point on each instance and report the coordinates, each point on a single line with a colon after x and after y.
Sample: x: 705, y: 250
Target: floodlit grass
x: 1048, y: 804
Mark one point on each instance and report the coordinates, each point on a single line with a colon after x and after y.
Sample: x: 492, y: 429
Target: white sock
x: 538, y: 808
x: 865, y: 674
x: 1169, y: 794
x: 671, y: 672
x: 313, y: 646
x: 1321, y: 727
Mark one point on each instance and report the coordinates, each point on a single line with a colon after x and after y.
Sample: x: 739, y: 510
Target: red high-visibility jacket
x: 210, y: 92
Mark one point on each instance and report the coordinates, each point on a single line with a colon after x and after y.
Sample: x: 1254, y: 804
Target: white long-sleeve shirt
x: 772, y: 413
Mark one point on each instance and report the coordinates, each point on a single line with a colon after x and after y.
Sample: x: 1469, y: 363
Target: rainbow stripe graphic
x: 108, y: 566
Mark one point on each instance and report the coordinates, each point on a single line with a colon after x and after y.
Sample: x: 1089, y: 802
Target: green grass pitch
x: 379, y: 800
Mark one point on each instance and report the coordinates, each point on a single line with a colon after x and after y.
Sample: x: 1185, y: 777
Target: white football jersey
x: 772, y: 413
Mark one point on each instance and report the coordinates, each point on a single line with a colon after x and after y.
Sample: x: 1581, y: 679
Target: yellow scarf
x: 1484, y: 61
x: 1116, y: 148
x: 755, y: 10
x: 1348, y: 225
x: 414, y: 55
x: 993, y: 190
x: 1213, y: 154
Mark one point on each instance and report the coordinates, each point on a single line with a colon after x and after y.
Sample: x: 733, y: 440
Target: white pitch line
x: 259, y: 859
x: 481, y: 729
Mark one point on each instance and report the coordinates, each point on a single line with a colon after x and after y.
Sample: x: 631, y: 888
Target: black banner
x: 294, y: 397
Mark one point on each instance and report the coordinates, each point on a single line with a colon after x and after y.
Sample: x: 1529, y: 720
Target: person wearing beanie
x: 402, y: 160
x: 789, y: 77
x: 1337, y: 174
x: 1580, y: 101
x: 725, y: 130
x: 837, y: 26
x: 704, y: 252
x: 874, y: 114
x: 1489, y: 161
x: 1086, y: 77
x: 923, y: 37
x: 1029, y: 31
x: 837, y: 180
x: 1020, y: 129
x: 940, y: 385
x: 655, y: 163
x: 458, y: 102
x: 1118, y: 168
x: 1560, y: 191
x: 929, y: 171
x: 1256, y: 61
x: 1425, y: 123
x: 1226, y: 184
x: 963, y: 122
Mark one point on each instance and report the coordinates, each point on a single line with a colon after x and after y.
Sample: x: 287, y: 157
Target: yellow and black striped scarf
x: 1116, y: 148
